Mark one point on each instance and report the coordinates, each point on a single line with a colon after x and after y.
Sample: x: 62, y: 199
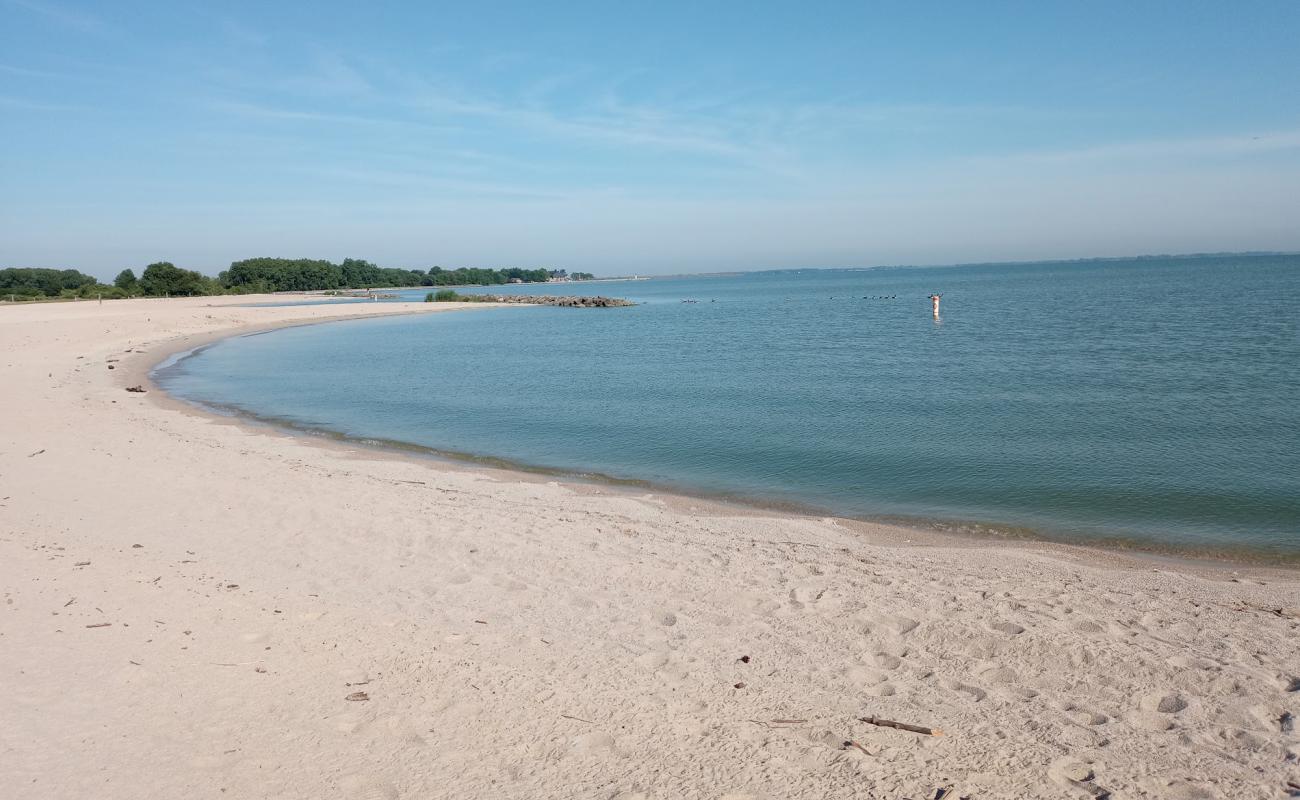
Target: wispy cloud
x: 1205, y: 147
x: 59, y: 14
x: 238, y: 33
x: 330, y: 75
x: 417, y: 180
x: 563, y: 111
x: 21, y: 104
x: 300, y: 115
x: 640, y: 127
x: 26, y: 72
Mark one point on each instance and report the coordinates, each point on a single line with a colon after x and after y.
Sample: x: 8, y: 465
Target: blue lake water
x: 1153, y: 401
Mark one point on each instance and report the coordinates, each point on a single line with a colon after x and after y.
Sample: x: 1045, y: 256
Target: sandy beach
x: 195, y: 607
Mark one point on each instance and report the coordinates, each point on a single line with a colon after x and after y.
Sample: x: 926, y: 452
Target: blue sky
x: 644, y: 137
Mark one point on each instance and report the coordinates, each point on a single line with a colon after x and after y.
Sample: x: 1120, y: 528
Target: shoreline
x: 931, y: 531
x: 196, y: 606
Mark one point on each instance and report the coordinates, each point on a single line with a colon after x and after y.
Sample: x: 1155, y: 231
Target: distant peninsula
x: 259, y: 276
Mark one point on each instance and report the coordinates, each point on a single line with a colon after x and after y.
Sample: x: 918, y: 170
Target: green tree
x: 47, y: 282
x: 281, y: 275
x: 166, y: 279
x: 126, y: 281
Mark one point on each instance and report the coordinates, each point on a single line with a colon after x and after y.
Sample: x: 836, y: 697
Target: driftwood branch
x: 770, y: 723
x: 902, y: 726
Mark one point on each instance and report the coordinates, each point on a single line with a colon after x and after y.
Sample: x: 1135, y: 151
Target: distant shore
x: 194, y: 602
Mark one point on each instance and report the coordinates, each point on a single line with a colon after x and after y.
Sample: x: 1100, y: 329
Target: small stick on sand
x: 579, y: 719
x: 902, y: 726
x: 850, y: 742
x: 100, y: 625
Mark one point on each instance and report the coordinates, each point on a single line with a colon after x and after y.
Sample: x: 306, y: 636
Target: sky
x: 644, y: 137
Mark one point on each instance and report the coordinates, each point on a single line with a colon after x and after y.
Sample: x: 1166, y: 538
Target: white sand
x: 524, y: 638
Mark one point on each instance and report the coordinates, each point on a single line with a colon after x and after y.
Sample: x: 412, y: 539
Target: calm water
x: 1155, y: 401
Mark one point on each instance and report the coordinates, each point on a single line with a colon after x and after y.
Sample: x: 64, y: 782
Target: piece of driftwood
x: 357, y: 697
x: 902, y: 726
x: 100, y: 625
x: 851, y: 743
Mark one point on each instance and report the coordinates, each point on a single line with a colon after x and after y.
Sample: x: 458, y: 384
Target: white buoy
x: 934, y: 301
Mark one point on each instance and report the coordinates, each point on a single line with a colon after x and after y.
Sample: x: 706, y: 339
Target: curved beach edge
x: 895, y: 531
x: 195, y: 603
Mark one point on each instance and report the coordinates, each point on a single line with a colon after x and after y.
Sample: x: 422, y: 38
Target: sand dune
x: 195, y: 608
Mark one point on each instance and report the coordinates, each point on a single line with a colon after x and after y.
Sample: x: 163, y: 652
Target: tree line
x: 257, y: 275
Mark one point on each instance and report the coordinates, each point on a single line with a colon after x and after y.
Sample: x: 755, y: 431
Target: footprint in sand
x: 354, y: 676
x: 1156, y: 711
x: 1009, y: 628
x: 869, y: 622
x: 983, y: 648
x: 1075, y: 775
x: 898, y: 624
x: 596, y: 743
x: 974, y: 692
x: 1184, y: 790
x: 1084, y: 716
x: 1170, y: 703
x: 653, y: 660
x: 998, y: 674
x: 1087, y: 626
x: 807, y: 593
x: 864, y: 676
x: 887, y: 661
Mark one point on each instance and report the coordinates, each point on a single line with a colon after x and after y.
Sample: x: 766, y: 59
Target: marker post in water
x: 934, y: 302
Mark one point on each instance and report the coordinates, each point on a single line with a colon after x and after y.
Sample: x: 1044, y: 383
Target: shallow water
x: 1152, y: 401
